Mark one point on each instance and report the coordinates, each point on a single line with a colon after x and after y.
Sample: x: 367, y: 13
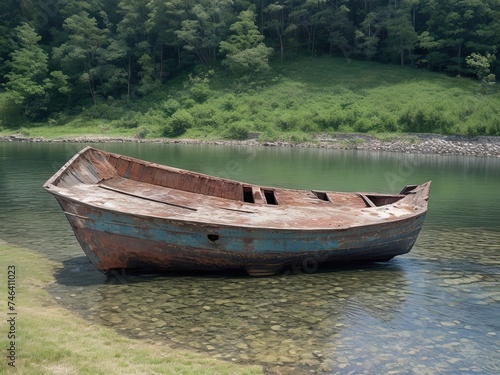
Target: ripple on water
x: 436, y: 308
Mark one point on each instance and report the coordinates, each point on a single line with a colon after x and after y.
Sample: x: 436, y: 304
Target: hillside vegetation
x: 299, y: 98
x: 61, y: 59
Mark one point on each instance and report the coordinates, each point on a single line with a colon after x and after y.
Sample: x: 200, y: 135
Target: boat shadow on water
x: 285, y: 321
x: 79, y: 271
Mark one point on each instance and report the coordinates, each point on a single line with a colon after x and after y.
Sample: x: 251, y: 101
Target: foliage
x: 170, y: 106
x: 178, y: 123
x: 84, y: 52
x: 481, y: 65
x: 305, y: 96
x: 29, y: 82
x: 245, y: 49
x: 425, y: 120
x: 10, y: 116
x: 238, y: 130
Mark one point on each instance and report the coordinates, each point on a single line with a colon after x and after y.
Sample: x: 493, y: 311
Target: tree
x: 89, y: 53
x: 244, y: 49
x: 277, y: 22
x: 135, y: 37
x: 401, y: 36
x: 335, y: 20
x: 164, y: 20
x: 29, y: 83
x: 461, y: 26
x: 481, y: 65
x: 205, y: 28
x: 367, y: 40
x: 10, y: 16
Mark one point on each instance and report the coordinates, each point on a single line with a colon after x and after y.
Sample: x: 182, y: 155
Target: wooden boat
x: 132, y: 214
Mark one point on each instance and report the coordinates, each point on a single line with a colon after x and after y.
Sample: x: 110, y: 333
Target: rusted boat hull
x: 131, y: 214
x: 114, y: 240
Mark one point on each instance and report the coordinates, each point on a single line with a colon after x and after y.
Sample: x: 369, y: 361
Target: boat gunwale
x: 319, y: 230
x: 420, y: 201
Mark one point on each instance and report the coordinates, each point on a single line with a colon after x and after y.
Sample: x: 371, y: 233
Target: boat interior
x: 101, y: 178
x: 152, y: 181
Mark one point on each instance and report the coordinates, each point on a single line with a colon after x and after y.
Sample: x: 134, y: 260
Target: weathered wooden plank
x: 129, y: 213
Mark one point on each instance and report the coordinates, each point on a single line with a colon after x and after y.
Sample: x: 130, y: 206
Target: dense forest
x: 55, y: 53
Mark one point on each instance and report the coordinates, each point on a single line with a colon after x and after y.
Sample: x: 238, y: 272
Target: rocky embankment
x: 418, y: 143
x: 406, y: 143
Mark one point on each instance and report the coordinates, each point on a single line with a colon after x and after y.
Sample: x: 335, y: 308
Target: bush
x: 286, y: 122
x: 58, y: 118
x: 178, y: 123
x: 10, y: 113
x: 142, y: 132
x: 238, y: 130
x: 493, y: 129
x: 308, y: 126
x: 129, y: 121
x: 170, y: 107
x: 228, y: 102
x: 474, y: 131
x: 206, y: 115
x: 104, y: 111
x: 297, y: 137
x: 329, y: 119
x: 200, y: 92
x: 425, y: 120
x: 362, y: 125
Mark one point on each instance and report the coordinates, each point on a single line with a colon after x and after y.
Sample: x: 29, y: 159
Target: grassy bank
x: 296, y: 100
x: 51, y: 340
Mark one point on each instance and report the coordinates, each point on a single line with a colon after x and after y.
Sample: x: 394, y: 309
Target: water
x: 434, y: 310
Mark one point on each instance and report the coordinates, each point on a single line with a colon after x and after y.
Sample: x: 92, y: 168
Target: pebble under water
x: 432, y: 311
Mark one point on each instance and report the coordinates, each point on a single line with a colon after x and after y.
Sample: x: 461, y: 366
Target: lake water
x: 435, y: 310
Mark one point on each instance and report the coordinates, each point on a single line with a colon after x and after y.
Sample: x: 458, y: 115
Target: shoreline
x: 402, y: 143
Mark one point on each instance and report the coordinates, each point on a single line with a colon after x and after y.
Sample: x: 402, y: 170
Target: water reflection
x: 433, y: 309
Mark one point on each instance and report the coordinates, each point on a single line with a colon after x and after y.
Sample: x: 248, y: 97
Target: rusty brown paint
x: 128, y: 213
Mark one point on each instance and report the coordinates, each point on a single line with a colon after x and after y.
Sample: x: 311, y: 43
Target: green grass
x: 296, y: 100
x: 51, y: 340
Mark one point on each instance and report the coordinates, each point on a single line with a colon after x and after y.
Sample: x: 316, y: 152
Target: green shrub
x: 129, y: 121
x: 170, y: 106
x: 329, y: 119
x: 58, y: 118
x: 362, y: 125
x: 200, y: 92
x: 308, y: 126
x: 493, y: 129
x: 24, y: 131
x: 228, y: 102
x: 268, y: 135
x: 238, y: 130
x: 178, y: 123
x: 207, y: 116
x: 388, y: 123
x: 10, y: 112
x: 353, y: 114
x: 153, y: 118
x: 380, y: 122
x: 142, y: 132
x: 475, y: 130
x: 297, y: 137
x: 104, y: 111
x: 286, y: 122
x: 425, y: 120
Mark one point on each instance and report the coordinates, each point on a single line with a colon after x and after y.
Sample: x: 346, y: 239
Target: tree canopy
x: 114, y: 48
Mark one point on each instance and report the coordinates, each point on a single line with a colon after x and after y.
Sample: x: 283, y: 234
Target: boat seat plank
x: 142, y: 196
x: 149, y: 192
